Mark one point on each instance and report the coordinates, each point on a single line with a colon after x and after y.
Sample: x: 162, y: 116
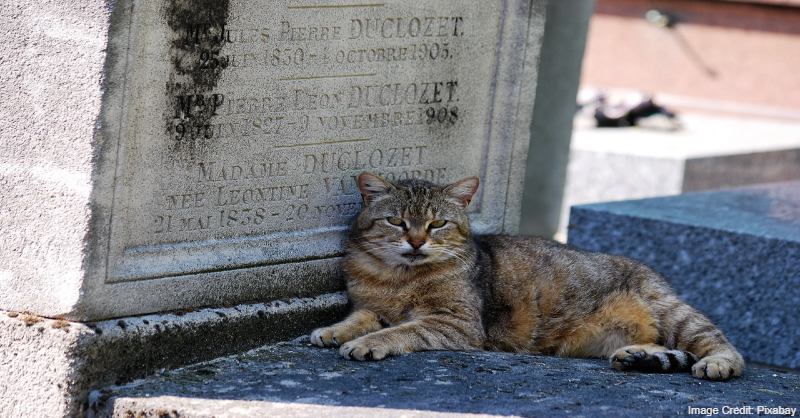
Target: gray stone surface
x: 47, y: 367
x: 53, y: 66
x: 165, y: 155
x: 733, y: 254
x: 293, y: 379
x: 551, y: 128
x: 710, y: 152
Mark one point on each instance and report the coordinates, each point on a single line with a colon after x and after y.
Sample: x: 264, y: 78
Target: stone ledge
x: 709, y: 153
x: 48, y: 366
x: 294, y: 379
x: 733, y: 254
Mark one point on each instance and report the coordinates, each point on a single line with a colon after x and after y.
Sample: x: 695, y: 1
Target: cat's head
x: 413, y: 222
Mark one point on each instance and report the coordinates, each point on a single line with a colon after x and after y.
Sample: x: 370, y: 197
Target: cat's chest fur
x: 401, y: 299
x: 393, y: 308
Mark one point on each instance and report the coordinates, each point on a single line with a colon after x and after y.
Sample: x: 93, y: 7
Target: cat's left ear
x: 372, y: 187
x: 462, y: 191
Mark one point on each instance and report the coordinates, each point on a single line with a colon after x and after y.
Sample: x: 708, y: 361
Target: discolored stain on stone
x: 59, y: 324
x: 29, y: 320
x: 198, y: 36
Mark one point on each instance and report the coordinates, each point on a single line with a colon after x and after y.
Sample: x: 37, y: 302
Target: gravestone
x: 230, y: 133
x: 176, y: 155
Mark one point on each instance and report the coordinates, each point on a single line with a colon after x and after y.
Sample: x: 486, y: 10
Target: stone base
x: 733, y: 254
x: 708, y: 153
x: 295, y: 380
x: 47, y: 367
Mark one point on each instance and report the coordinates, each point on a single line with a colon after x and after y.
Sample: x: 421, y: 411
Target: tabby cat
x: 418, y: 280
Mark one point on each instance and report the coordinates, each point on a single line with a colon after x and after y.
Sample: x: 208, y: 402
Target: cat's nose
x: 416, y: 243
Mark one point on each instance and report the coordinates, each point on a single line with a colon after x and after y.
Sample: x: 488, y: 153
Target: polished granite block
x: 734, y: 254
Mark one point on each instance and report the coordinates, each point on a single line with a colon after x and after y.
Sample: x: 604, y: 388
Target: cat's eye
x: 394, y: 220
x: 437, y: 224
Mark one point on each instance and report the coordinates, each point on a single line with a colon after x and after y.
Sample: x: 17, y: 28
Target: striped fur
x: 417, y: 287
x: 652, y: 359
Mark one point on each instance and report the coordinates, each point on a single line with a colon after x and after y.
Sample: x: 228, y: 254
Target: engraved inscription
x: 253, y: 117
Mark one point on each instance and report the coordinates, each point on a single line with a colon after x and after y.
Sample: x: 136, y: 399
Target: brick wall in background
x: 728, y: 51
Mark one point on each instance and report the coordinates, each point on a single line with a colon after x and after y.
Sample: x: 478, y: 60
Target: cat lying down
x: 419, y: 280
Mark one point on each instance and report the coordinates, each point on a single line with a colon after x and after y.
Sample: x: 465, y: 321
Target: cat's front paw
x: 325, y: 337
x: 627, y: 358
x: 362, y: 349
x: 716, y: 368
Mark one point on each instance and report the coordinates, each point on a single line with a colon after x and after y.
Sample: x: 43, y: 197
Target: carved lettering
x: 273, y: 111
x: 406, y: 27
x: 210, y: 171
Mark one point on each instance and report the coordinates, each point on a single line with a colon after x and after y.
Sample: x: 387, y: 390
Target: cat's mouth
x: 414, y: 256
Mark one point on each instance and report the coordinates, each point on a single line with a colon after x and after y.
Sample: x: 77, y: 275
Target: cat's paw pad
x: 628, y: 357
x: 715, y: 368
x: 325, y: 337
x: 362, y: 350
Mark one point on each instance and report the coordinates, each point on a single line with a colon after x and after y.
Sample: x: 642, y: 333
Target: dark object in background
x: 631, y: 116
x: 633, y: 110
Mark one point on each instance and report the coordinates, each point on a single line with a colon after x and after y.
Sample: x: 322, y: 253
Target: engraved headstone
x: 231, y: 133
x: 161, y: 157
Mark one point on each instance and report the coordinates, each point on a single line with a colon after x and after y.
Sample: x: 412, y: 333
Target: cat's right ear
x: 372, y: 187
x: 462, y: 191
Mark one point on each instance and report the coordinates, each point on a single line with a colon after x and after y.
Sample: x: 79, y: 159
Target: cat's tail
x: 651, y: 358
x: 666, y: 333
x: 686, y: 329
x: 687, y: 341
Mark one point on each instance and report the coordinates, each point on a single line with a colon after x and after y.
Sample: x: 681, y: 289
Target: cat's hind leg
x: 652, y: 358
x: 357, y: 324
x: 625, y: 330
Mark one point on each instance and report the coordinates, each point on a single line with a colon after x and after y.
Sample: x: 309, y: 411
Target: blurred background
x: 682, y: 150
x: 674, y: 96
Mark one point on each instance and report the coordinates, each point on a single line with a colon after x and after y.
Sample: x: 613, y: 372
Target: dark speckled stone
x: 733, y: 254
x: 294, y: 379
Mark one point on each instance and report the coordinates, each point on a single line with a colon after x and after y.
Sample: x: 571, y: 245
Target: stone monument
x: 180, y: 155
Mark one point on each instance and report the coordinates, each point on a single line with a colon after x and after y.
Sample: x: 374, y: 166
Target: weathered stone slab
x: 207, y: 150
x: 298, y: 381
x: 47, y: 367
x: 733, y: 254
x: 711, y: 152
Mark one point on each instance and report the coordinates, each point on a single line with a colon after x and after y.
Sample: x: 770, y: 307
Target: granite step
x: 298, y: 380
x: 734, y: 254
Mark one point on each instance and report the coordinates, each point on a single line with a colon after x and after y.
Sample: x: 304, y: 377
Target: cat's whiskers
x: 458, y: 255
x: 374, y: 249
x: 386, y: 252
